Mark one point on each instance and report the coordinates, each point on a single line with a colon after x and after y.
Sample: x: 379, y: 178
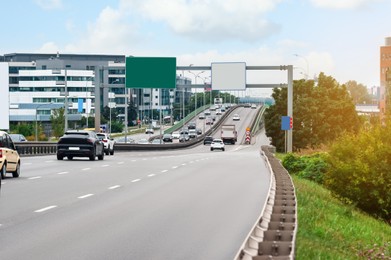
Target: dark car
x: 192, y: 125
x: 80, y: 144
x: 167, y: 138
x: 208, y: 140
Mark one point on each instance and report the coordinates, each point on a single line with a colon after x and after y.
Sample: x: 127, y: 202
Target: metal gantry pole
x: 290, y: 105
x: 66, y: 102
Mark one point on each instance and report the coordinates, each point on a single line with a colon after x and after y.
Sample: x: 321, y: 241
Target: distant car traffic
x: 80, y: 143
x: 9, y: 157
x: 208, y: 140
x: 127, y: 141
x: 149, y: 131
x: 201, y: 116
x: 184, y: 138
x: 108, y: 143
x: 193, y: 133
x: 175, y: 135
x: 236, y: 117
x: 18, y: 138
x: 253, y: 106
x: 167, y: 138
x: 157, y: 141
x: 217, y: 144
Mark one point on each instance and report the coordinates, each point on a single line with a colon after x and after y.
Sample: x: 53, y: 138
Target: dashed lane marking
x: 151, y: 175
x: 114, y: 187
x: 34, y: 178
x: 164, y: 171
x: 46, y: 209
x: 85, y: 196
x: 136, y: 180
x: 86, y: 169
x: 61, y: 173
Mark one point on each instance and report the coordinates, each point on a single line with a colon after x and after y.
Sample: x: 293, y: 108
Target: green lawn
x: 328, y: 229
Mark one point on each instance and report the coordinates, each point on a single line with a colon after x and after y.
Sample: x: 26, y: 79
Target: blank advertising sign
x: 150, y: 72
x: 228, y: 75
x: 4, y: 97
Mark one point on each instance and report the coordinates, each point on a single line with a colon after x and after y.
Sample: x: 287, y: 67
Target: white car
x: 149, y: 131
x: 217, y: 144
x: 236, y: 117
x: 175, y: 135
x: 108, y: 143
x: 9, y: 157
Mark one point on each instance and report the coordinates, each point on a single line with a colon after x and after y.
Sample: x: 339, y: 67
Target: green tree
x: 320, y: 113
x: 358, y: 92
x: 58, y: 122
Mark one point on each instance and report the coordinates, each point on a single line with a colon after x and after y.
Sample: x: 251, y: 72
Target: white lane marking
x: 144, y: 159
x: 60, y: 173
x: 120, y: 162
x: 184, y: 164
x: 3, y: 182
x: 174, y: 167
x: 134, y: 160
x: 85, y: 196
x: 151, y: 175
x: 164, y: 171
x: 49, y: 161
x: 86, y: 169
x: 37, y: 177
x: 29, y: 163
x: 105, y: 165
x: 45, y: 209
x: 136, y: 180
x: 114, y: 187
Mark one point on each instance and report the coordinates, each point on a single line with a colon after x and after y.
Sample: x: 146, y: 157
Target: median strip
x: 45, y: 209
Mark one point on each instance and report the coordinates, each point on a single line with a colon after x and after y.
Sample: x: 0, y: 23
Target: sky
x: 341, y: 38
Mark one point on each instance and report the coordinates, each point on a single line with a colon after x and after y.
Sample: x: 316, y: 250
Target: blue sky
x: 341, y: 38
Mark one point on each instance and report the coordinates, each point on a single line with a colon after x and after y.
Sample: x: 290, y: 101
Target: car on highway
x: 184, y: 138
x: 236, y: 117
x: 9, y: 157
x: 253, y: 106
x: 108, y: 143
x: 207, y: 112
x: 80, y: 143
x: 192, y: 125
x: 209, y: 121
x: 208, y: 140
x: 149, y: 130
x: 18, y: 137
x: 201, y: 116
x: 217, y: 144
x: 192, y: 133
x: 199, y: 131
x: 218, y: 112
x: 167, y: 138
x: 175, y: 135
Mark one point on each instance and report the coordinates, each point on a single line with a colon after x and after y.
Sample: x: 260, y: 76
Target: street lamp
x: 87, y: 112
x: 195, y: 82
x: 111, y: 105
x: 305, y: 59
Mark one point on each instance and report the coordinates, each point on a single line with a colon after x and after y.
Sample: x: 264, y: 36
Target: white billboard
x: 4, y: 97
x: 228, y: 76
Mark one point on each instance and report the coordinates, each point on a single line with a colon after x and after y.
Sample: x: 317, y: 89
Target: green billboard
x: 150, y: 72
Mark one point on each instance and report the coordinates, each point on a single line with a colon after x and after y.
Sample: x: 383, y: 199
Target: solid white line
x: 45, y: 209
x: 105, y: 165
x: 164, y: 171
x: 86, y: 169
x: 37, y: 177
x: 62, y: 173
x: 151, y: 175
x: 85, y: 196
x: 114, y: 187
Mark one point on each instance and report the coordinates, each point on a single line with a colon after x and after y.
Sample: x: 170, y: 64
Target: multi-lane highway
x: 182, y: 204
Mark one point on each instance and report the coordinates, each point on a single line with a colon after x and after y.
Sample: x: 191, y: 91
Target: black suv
x: 208, y: 140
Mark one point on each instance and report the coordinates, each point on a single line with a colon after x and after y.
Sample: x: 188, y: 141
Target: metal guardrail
x: 274, y: 234
x: 36, y: 148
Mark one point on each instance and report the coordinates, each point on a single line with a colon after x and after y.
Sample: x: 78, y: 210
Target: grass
x: 329, y: 229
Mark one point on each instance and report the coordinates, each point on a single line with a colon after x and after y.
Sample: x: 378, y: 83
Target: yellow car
x: 9, y: 156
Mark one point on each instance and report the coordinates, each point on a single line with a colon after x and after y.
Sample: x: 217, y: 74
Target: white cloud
x: 343, y: 4
x: 48, y: 47
x: 110, y: 33
x: 49, y: 4
x: 208, y: 20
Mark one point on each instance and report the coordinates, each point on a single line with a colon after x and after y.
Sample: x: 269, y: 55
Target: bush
x: 360, y: 170
x: 312, y: 167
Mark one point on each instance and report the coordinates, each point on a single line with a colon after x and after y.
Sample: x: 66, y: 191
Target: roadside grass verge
x: 329, y: 229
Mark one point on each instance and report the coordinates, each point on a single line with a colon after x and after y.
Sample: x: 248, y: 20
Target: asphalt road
x: 183, y: 204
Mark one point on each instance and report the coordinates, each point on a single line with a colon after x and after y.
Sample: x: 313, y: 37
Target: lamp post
x: 306, y: 61
x: 195, y: 82
x: 66, y: 102
x: 111, y: 95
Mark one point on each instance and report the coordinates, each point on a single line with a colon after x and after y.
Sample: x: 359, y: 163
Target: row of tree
x: 322, y: 111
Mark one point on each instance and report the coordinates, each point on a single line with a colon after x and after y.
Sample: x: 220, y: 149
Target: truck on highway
x: 229, y: 134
